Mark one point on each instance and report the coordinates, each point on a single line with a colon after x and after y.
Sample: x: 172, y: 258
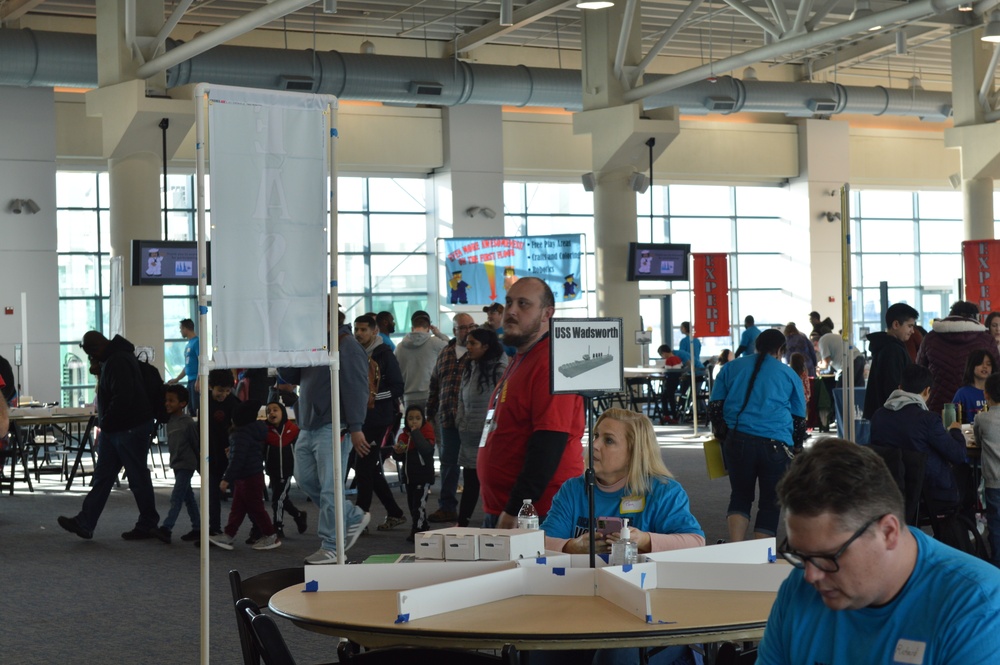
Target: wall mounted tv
x: 166, y: 262
x: 657, y: 261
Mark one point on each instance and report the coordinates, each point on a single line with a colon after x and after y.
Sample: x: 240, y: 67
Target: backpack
x: 152, y: 383
x: 374, y: 376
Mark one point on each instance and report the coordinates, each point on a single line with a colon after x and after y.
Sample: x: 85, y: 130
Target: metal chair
x: 258, y: 590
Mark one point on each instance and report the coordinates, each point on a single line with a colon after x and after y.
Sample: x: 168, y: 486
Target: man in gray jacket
x: 314, y: 449
x: 417, y: 354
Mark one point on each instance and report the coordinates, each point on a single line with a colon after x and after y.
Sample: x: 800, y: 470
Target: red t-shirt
x: 523, y: 405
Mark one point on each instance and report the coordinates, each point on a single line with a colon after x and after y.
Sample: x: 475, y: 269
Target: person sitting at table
x: 632, y: 482
x: 904, y: 422
x: 670, y: 380
x: 866, y: 588
x: 970, y: 397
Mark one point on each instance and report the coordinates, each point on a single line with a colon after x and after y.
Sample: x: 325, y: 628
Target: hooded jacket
x: 889, y: 357
x: 390, y: 386
x: 313, y: 408
x: 121, y: 396
x: 417, y: 354
x: 945, y: 350
x: 904, y: 422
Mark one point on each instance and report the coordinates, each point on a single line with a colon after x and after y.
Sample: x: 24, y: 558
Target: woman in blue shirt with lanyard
x: 758, y: 411
x: 632, y: 482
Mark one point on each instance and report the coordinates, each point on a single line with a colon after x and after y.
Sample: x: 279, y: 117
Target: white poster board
x: 586, y: 355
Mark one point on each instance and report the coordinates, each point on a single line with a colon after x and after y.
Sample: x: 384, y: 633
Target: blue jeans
x: 993, y: 522
x: 753, y: 460
x: 451, y: 441
x: 182, y: 495
x: 127, y: 449
x: 314, y: 474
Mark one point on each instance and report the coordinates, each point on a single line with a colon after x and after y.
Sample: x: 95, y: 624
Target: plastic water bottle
x: 624, y: 550
x: 527, y: 517
x: 948, y: 414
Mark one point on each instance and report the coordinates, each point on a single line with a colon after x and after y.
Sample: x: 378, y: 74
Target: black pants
x: 370, y: 477
x: 280, y: 503
x: 416, y: 499
x: 470, y: 496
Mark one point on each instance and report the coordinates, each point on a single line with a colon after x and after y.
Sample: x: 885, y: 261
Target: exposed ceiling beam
x: 524, y: 16
x: 869, y: 46
x: 14, y: 9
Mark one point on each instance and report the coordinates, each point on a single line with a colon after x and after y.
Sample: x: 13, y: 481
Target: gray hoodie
x: 900, y: 398
x: 313, y: 409
x: 417, y: 354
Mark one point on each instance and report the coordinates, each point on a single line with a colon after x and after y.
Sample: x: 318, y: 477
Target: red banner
x: 982, y: 273
x: 710, y: 284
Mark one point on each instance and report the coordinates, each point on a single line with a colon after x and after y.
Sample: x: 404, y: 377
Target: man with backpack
x: 125, y: 416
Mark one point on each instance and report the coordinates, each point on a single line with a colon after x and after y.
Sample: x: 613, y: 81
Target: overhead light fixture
x: 367, y: 48
x: 506, y: 12
x: 915, y: 83
x: 991, y: 33
x: 329, y: 6
x: 750, y: 74
x: 965, y: 7
x: 594, y: 4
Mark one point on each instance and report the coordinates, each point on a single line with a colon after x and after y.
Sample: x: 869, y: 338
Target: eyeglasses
x: 828, y: 563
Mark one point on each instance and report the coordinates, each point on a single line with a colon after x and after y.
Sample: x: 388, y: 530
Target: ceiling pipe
x: 908, y: 12
x: 221, y: 35
x: 46, y: 59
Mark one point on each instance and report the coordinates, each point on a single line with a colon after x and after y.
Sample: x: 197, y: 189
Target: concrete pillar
x: 979, y: 143
x: 135, y: 214
x: 619, y: 135
x: 824, y: 167
x: 467, y: 192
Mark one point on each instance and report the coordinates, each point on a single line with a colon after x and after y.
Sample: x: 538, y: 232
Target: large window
x: 911, y: 241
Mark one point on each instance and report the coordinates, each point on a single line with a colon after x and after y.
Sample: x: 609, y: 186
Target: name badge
x: 910, y: 652
x: 632, y: 504
x: 488, y: 427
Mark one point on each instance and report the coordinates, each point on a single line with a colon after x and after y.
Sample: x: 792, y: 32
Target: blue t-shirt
x: 664, y: 510
x: 748, y: 340
x: 777, y: 396
x: 684, y: 351
x: 972, y: 400
x: 947, y: 612
x: 191, y: 352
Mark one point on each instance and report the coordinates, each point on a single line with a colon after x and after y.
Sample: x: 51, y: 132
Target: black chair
x: 642, y: 397
x: 347, y: 653
x: 258, y: 589
x: 732, y: 654
x: 266, y: 642
x: 907, y: 469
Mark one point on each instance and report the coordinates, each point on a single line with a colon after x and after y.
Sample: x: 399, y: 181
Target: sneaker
x: 391, y: 522
x: 193, y: 534
x: 321, y: 557
x: 73, y: 526
x: 140, y: 534
x: 254, y: 536
x: 443, y: 516
x: 222, y: 540
x: 280, y: 530
x: 355, y: 530
x: 162, y: 534
x: 267, y: 542
x: 300, y: 522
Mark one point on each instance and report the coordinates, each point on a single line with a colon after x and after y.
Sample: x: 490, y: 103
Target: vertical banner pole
x: 848, y: 377
x: 334, y: 326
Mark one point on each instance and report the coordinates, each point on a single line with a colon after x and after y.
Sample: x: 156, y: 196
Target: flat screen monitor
x: 163, y: 262
x: 657, y: 261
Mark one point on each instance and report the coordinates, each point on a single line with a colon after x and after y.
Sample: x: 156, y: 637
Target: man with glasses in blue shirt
x: 867, y: 588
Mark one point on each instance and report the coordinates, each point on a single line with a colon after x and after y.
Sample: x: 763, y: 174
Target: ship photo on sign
x: 586, y: 355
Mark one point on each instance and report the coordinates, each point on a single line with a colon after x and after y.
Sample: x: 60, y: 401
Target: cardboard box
x: 461, y: 546
x: 430, y: 544
x: 510, y: 544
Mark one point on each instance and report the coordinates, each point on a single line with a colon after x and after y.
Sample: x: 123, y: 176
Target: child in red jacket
x: 417, y: 442
x: 279, y: 463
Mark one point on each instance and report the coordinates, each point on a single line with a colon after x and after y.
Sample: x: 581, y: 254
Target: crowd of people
x: 480, y: 402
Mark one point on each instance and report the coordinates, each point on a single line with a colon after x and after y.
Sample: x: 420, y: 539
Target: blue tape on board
x: 311, y: 585
x: 604, y: 557
x: 203, y: 309
x: 559, y: 571
x: 540, y: 560
x: 649, y: 618
x: 771, y: 558
x: 333, y: 282
x: 626, y: 567
x: 403, y: 618
x: 666, y: 622
x: 333, y: 132
x: 642, y: 580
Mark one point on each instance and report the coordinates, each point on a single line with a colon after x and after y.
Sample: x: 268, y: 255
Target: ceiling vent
x: 426, y: 88
x: 822, y: 105
x: 720, y: 103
